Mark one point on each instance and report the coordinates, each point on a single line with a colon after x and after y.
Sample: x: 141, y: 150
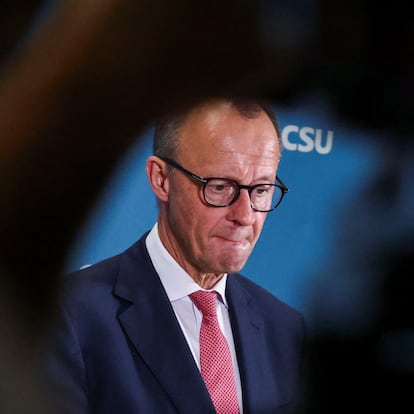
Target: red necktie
x: 215, y: 357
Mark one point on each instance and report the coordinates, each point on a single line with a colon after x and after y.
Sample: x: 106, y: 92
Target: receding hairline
x: 167, y: 128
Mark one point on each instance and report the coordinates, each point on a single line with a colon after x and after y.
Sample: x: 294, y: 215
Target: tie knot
x: 205, y: 301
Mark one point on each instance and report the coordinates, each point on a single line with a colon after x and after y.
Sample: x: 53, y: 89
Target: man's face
x: 216, y: 141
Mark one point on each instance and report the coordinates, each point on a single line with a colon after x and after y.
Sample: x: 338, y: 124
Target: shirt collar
x: 176, y: 281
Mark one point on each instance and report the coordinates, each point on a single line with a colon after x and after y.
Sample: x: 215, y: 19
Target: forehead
x: 218, y: 128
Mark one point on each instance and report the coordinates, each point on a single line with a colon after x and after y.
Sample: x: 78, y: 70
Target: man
x: 130, y: 338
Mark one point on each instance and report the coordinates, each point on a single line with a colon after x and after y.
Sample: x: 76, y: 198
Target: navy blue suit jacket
x: 119, y: 347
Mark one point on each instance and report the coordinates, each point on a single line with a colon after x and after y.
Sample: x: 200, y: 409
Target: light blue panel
x: 125, y: 210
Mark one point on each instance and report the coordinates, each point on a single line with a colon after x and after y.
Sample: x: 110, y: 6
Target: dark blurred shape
x: 77, y: 87
x: 75, y: 93
x: 374, y: 370
x: 364, y: 61
x: 361, y: 348
x: 15, y: 19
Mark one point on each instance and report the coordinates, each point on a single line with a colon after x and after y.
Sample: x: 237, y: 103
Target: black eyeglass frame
x: 205, y: 180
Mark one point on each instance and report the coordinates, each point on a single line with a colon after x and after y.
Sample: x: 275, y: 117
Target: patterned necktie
x: 215, y: 357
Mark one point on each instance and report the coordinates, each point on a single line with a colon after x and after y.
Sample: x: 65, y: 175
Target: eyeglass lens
x: 220, y: 192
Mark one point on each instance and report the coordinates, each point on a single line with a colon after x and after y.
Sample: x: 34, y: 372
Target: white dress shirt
x: 179, y: 284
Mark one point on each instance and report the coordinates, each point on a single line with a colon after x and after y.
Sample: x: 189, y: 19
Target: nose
x: 241, y: 210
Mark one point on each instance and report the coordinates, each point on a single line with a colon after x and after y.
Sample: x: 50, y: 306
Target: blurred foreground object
x: 77, y: 89
x: 74, y: 93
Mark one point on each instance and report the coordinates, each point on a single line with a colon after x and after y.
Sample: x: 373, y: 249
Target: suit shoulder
x: 103, y: 272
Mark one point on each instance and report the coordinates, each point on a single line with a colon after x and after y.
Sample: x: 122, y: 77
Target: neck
x: 208, y: 280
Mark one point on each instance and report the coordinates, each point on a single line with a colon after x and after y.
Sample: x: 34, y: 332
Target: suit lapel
x: 258, y: 380
x: 151, y: 326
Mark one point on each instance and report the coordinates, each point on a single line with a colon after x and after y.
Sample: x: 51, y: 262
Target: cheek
x: 184, y: 211
x: 185, y: 194
x: 258, y: 225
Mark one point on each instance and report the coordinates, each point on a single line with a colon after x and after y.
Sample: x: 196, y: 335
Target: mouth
x: 235, y: 242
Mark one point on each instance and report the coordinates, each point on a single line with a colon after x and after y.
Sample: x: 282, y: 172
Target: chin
x: 226, y: 262
x: 234, y: 267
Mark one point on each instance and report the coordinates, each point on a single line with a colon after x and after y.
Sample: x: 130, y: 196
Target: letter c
x: 285, y: 137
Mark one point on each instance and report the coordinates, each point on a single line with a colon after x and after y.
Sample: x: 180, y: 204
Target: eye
x: 220, y: 187
x: 263, y: 190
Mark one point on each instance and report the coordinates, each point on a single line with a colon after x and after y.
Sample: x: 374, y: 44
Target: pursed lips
x: 236, y: 240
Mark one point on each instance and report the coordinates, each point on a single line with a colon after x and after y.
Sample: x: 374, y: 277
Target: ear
x: 157, y: 177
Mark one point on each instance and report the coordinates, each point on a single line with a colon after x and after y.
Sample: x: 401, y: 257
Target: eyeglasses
x: 222, y: 192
